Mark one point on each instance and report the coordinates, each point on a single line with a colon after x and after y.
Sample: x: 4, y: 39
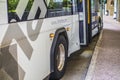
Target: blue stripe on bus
x: 81, y: 32
x: 95, y: 22
x: 95, y: 27
x: 95, y: 14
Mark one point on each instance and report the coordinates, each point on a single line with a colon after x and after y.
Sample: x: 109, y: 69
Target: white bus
x: 37, y: 36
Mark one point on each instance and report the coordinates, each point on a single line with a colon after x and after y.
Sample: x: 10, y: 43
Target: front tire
x: 60, y: 58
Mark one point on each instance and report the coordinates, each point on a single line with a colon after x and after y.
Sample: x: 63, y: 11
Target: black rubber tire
x: 56, y: 75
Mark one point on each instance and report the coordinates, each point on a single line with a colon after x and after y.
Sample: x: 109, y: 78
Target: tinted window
x: 12, y: 8
x: 12, y: 4
x: 59, y: 7
x: 75, y: 6
x: 95, y: 6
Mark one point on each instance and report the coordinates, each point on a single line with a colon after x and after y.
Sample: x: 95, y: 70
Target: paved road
x: 78, y: 63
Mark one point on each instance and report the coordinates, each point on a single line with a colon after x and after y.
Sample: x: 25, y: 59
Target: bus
x: 37, y: 36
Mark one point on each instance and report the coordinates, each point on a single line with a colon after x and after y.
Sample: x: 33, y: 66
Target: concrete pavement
x: 105, y: 63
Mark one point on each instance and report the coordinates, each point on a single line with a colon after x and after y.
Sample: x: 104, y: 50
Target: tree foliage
x: 12, y: 4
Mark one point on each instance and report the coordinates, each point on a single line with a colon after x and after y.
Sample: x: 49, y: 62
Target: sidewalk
x: 105, y: 63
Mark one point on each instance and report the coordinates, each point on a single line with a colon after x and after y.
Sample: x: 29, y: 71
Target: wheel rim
x: 61, y: 57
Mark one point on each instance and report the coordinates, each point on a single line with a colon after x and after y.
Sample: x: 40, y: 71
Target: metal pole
x: 101, y: 10
x: 118, y: 10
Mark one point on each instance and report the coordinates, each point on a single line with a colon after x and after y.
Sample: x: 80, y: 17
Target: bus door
x: 88, y: 9
x: 82, y: 12
x: 95, y: 17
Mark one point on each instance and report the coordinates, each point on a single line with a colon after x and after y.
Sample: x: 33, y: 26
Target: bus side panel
x: 26, y: 45
x: 3, y: 12
x: 21, y: 57
x: 71, y: 22
x: 74, y: 38
x: 95, y: 14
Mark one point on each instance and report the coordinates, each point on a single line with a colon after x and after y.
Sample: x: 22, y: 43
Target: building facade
x: 110, y: 7
x: 118, y: 10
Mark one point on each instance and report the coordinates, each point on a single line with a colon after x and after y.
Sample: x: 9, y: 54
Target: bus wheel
x: 60, y: 58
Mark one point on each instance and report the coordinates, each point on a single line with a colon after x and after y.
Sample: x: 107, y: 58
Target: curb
x: 91, y: 67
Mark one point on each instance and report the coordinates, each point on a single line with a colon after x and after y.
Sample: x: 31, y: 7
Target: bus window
x: 95, y: 6
x: 27, y: 10
x: 59, y: 7
x: 75, y: 7
x: 12, y: 4
x: 12, y: 10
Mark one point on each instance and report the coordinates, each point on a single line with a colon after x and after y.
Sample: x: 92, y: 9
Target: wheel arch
x: 58, y: 32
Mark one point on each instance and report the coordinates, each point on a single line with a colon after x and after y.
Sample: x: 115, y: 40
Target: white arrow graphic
x: 37, y: 4
x: 21, y: 7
